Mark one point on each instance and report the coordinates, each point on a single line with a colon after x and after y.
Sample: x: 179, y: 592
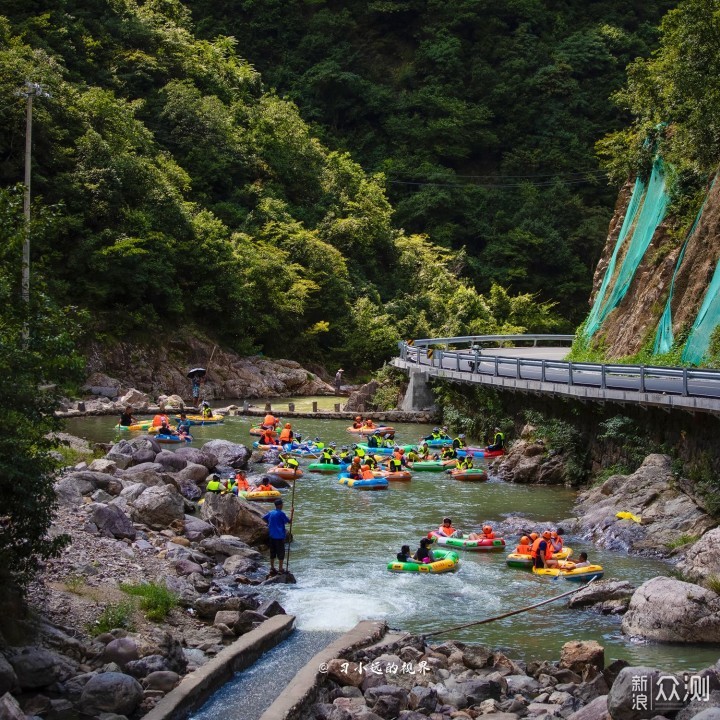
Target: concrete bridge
x: 536, y: 364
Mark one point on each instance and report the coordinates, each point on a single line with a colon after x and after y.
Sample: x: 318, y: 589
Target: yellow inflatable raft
x: 570, y: 572
x: 260, y: 495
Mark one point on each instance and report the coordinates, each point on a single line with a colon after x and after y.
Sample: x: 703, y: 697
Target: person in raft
x: 277, y: 520
x: 404, y: 554
x: 556, y: 540
x: 241, y: 483
x: 498, y: 442
x: 542, y: 552
x: 126, y: 418
x: 583, y: 562
x: 524, y: 548
x: 486, y: 534
x: 358, y: 422
x: 423, y: 554
x: 264, y: 485
x: 447, y: 529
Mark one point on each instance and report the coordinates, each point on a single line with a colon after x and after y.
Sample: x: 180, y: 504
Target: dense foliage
x: 184, y: 193
x: 482, y: 114
x: 32, y: 370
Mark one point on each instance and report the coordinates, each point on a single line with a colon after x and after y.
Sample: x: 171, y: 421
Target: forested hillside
x: 482, y: 114
x: 174, y: 187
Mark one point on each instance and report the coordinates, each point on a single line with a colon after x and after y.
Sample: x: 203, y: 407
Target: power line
x: 495, y: 186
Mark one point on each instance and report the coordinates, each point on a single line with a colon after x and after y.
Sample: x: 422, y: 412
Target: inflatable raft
x: 445, y: 561
x: 375, y: 483
x: 200, y: 420
x: 327, y: 468
x: 437, y: 443
x: 365, y: 430
x: 143, y: 426
x: 173, y: 439
x: 570, y: 572
x: 482, y: 545
x: 480, y: 452
x: 260, y: 495
x: 397, y: 475
x: 285, y: 473
x: 261, y: 446
x: 471, y: 474
x: 384, y: 450
x: 428, y: 465
x: 525, y: 561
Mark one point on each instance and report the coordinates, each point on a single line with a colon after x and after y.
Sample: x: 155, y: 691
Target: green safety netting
x: 664, y: 338
x: 706, y: 321
x: 648, y: 205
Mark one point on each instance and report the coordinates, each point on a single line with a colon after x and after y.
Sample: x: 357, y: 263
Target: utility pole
x: 30, y: 91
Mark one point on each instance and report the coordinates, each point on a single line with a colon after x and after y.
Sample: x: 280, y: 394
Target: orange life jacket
x: 267, y: 438
x: 448, y: 531
x: 242, y: 484
x: 523, y: 550
x: 368, y: 475
x: 270, y: 420
x: 557, y: 544
x: 159, y: 419
x: 265, y: 488
x: 489, y: 535
x: 286, y: 435
x: 536, y: 547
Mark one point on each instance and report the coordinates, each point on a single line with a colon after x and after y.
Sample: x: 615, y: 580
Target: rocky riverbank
x: 88, y: 647
x: 410, y: 679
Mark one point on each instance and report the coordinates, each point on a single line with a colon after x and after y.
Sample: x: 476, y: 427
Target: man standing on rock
x: 338, y: 380
x: 277, y: 520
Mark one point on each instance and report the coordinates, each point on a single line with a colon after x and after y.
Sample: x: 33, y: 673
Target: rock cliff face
x: 636, y: 318
x: 163, y: 368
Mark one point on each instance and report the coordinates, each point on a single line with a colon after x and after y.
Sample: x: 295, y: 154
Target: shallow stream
x: 344, y: 538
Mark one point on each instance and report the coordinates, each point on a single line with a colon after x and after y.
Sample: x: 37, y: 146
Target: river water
x: 344, y: 538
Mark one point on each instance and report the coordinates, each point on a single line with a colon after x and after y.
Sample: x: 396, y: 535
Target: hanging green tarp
x: 705, y: 323
x: 652, y: 207
x: 664, y: 338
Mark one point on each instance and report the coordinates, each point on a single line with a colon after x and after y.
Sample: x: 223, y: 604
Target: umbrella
x: 197, y: 372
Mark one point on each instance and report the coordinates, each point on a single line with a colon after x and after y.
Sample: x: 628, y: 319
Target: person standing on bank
x: 338, y: 380
x: 277, y: 520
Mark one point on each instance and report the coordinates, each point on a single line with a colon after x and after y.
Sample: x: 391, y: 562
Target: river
x: 344, y: 538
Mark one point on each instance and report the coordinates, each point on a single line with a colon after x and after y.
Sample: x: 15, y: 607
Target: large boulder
x: 111, y: 521
x: 231, y: 516
x: 606, y: 596
x: 668, y: 610
x: 652, y: 493
x: 135, y: 399
x: 193, y: 472
x: 197, y: 529
x: 71, y: 490
x: 577, y: 655
x: 633, y: 694
x: 226, y: 545
x: 198, y: 457
x: 170, y: 461
x: 228, y: 453
x: 37, y: 667
x: 158, y: 507
x: 702, y: 560
x: 111, y: 692
x: 8, y: 678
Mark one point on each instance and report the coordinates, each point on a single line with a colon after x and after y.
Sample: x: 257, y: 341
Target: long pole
x: 292, y: 515
x: 508, y: 614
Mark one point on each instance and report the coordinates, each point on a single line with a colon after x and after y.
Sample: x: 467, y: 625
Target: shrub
x: 115, y: 615
x: 155, y: 599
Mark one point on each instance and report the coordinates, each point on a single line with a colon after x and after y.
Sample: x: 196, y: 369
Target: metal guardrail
x: 685, y: 382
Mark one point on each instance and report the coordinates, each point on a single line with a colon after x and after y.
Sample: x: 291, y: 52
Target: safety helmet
x: 436, y: 429
x: 332, y: 444
x: 524, y: 540
x: 288, y: 425
x: 487, y: 528
x: 534, y: 536
x: 344, y: 447
x: 546, y: 534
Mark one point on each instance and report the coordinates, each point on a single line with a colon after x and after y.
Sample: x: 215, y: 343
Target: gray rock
x: 232, y: 516
x: 8, y: 678
x: 185, y: 566
x: 103, y: 466
x: 708, y: 714
x: 158, y: 507
x: 144, y: 442
x: 10, y: 709
x: 121, y: 651
x: 326, y: 711
x: 100, y: 496
x: 577, y: 655
x: 164, y: 680
x: 522, y: 685
x: 228, y: 453
x: 668, y: 610
x: 146, y: 666
x: 387, y: 700
x: 188, y: 489
x: 226, y: 545
x: 248, y: 620
x: 170, y: 460
x: 193, y: 472
x: 423, y: 699
x: 70, y: 491
x: 271, y: 608
x: 199, y: 457
x: 206, y: 607
x: 112, y: 522
x: 601, y: 594
x: 141, y: 468
x: 144, y: 455
x: 239, y: 565
x: 475, y: 691
x: 702, y: 560
x: 37, y: 667
x: 623, y: 697
x: 111, y: 692
x: 197, y: 529
x: 595, y: 710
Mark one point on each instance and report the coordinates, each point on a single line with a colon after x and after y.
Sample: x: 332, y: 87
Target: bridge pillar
x: 418, y: 395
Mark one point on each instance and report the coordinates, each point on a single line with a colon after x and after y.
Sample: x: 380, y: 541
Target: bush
x: 155, y: 599
x: 115, y: 615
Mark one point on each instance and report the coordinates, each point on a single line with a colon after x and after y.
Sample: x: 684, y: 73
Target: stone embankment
x: 410, y: 679
x: 133, y: 518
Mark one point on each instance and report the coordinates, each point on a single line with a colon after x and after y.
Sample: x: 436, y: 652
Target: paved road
x: 615, y: 377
